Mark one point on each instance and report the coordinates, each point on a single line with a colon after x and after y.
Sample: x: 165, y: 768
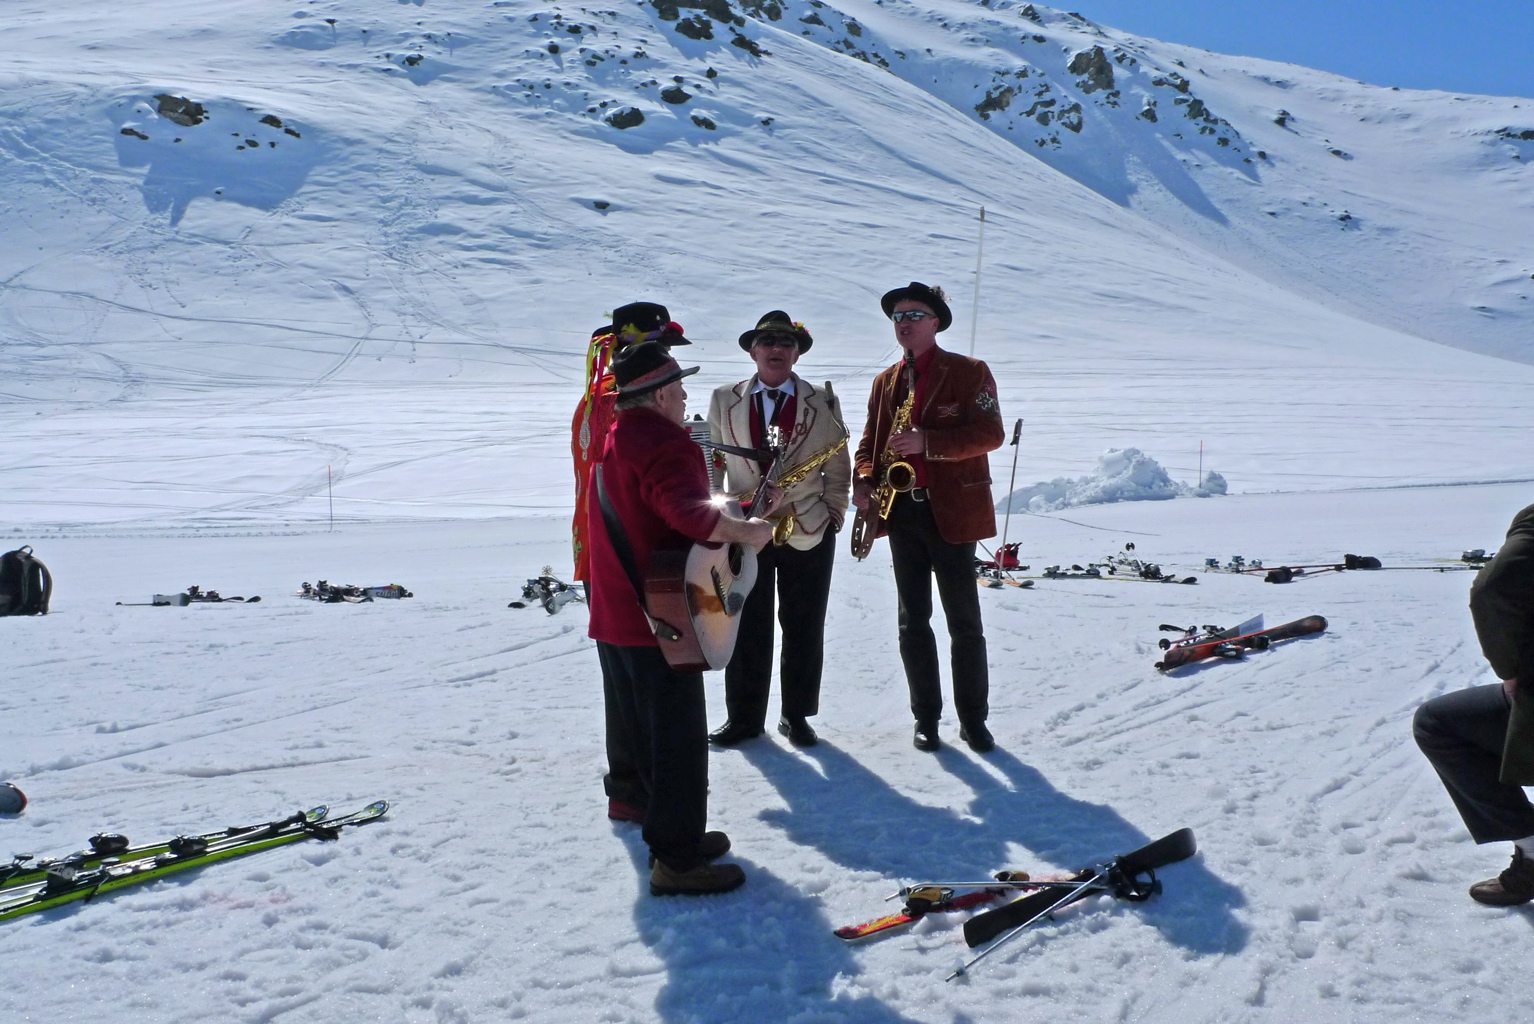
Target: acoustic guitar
x: 699, y: 588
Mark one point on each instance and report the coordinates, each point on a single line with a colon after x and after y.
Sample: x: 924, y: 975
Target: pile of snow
x: 1122, y: 474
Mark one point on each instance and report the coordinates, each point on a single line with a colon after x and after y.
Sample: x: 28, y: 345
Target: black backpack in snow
x: 25, y: 584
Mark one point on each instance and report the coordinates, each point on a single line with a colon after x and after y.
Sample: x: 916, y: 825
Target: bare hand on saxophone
x: 908, y: 442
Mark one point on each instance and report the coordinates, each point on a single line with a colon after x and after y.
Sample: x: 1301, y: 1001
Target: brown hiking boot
x: 700, y: 881
x: 1511, y: 887
x: 712, y: 846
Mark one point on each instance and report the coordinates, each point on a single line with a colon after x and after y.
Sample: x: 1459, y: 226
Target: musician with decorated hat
x: 796, y: 569
x: 924, y: 480
x: 631, y: 324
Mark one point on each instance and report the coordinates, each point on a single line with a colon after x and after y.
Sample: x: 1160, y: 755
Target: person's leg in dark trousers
x: 1462, y: 735
x: 627, y: 781
x: 954, y: 565
x: 910, y: 527
x: 748, y: 676
x: 804, y: 590
x: 622, y: 782
x: 669, y: 712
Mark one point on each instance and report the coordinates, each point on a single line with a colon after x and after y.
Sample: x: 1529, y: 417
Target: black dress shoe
x: 798, y: 731
x: 732, y: 734
x: 926, y: 737
x: 978, y: 737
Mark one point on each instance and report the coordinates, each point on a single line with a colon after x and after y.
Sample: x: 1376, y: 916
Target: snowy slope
x: 1330, y: 886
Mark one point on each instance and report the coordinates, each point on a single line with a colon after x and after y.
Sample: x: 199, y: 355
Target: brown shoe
x: 1511, y: 887
x: 700, y: 881
x: 712, y: 846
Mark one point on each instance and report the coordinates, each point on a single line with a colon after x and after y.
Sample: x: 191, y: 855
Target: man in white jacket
x: 796, y: 573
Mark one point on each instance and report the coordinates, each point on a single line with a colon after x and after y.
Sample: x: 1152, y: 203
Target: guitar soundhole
x: 735, y: 559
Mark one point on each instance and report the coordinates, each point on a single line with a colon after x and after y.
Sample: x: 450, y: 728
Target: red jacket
x: 658, y: 482
x: 960, y: 420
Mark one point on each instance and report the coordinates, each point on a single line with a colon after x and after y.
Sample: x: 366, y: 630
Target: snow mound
x: 1122, y: 474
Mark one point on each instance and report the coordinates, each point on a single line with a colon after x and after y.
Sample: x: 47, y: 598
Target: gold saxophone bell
x: 894, y: 475
x: 782, y: 530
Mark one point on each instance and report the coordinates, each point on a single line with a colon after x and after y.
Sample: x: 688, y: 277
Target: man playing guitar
x: 653, y: 476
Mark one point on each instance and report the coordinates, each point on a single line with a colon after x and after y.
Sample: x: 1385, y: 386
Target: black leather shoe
x: 798, y: 731
x: 926, y: 737
x: 978, y: 737
x: 731, y: 734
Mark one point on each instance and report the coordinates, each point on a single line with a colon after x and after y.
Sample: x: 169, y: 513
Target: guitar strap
x: 620, y: 542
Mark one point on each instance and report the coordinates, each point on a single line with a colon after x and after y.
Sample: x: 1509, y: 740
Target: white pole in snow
x: 332, y: 496
x: 974, y: 309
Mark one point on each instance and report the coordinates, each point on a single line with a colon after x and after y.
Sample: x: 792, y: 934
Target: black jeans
x: 622, y: 782
x: 802, y: 581
x: 663, y: 711
x: 919, y: 552
x: 1462, y: 734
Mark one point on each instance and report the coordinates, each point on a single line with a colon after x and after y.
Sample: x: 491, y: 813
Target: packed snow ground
x: 1330, y: 885
x: 208, y: 348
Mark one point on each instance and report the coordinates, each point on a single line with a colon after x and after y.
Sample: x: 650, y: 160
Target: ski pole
x: 995, y: 883
x: 1096, y: 881
x: 1017, y: 432
x: 974, y: 308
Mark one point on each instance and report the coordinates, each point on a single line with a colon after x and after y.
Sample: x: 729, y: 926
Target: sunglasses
x: 775, y: 341
x: 912, y: 316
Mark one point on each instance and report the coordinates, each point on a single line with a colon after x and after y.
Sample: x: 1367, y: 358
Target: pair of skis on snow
x: 1231, y: 643
x: 28, y: 885
x: 1130, y: 877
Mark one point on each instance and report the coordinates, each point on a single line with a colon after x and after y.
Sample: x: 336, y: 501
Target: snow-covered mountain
x: 353, y: 179
x: 435, y: 201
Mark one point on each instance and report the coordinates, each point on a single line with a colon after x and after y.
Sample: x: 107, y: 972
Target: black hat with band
x: 640, y: 369
x: 777, y: 322
x: 932, y: 298
x: 642, y: 320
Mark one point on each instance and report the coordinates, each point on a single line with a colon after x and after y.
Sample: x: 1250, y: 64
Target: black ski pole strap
x: 619, y: 538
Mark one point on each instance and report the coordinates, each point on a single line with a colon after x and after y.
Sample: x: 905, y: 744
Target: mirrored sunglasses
x: 914, y: 316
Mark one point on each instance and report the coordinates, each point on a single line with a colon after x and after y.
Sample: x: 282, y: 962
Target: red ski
x: 1236, y: 647
x: 919, y: 904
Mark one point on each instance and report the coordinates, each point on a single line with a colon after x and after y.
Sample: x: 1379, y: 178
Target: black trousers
x: 802, y: 583
x: 919, y: 553
x: 662, y: 711
x: 1462, y: 733
x: 622, y: 782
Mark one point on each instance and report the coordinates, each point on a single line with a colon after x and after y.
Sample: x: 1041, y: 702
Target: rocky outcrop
x: 181, y: 110
x: 1095, y: 68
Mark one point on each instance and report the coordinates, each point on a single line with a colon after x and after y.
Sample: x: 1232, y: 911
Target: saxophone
x: 894, y: 475
x: 784, y: 527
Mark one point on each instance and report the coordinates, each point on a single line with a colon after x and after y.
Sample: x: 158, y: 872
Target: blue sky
x: 1485, y: 46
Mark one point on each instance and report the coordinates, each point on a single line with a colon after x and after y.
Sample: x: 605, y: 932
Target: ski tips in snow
x: 1131, y: 877
x: 12, y: 799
